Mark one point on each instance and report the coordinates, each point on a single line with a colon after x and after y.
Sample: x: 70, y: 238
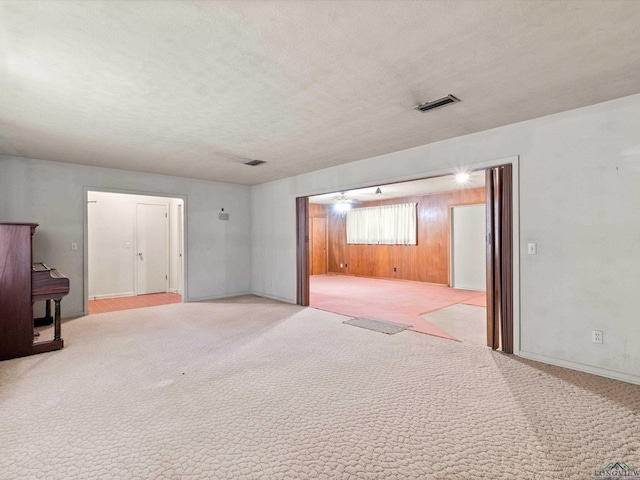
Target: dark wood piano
x: 21, y: 284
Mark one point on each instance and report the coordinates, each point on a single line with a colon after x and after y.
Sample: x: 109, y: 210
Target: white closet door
x: 468, y: 247
x: 151, y: 241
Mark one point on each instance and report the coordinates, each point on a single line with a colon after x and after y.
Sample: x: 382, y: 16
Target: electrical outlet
x: 532, y: 249
x: 345, y: 265
x: 596, y: 336
x: 395, y: 269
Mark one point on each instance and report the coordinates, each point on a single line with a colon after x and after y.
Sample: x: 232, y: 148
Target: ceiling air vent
x: 423, y: 107
x: 255, y: 163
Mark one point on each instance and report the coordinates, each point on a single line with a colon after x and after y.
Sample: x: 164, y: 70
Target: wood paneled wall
x: 428, y: 261
x: 317, y: 210
x: 318, y: 238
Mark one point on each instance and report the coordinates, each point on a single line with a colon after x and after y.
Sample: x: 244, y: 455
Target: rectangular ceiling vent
x: 423, y: 107
x: 255, y: 163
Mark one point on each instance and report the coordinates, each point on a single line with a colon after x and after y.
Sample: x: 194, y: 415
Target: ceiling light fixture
x: 342, y: 203
x: 423, y: 107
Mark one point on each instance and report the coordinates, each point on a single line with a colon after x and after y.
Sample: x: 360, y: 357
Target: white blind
x: 383, y: 225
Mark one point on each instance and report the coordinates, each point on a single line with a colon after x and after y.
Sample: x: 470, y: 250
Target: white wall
x: 52, y: 194
x: 112, y: 242
x: 579, y: 177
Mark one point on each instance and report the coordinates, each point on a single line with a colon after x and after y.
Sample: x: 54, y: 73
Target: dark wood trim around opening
x: 506, y: 252
x: 302, y: 251
x: 493, y: 329
x: 499, y: 190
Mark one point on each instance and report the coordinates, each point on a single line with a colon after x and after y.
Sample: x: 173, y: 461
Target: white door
x: 151, y: 243
x: 180, y: 248
x: 468, y: 247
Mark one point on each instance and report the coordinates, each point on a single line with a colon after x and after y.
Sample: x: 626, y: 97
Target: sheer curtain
x: 383, y: 225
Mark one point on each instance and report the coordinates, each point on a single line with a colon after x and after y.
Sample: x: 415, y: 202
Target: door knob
x: 140, y: 255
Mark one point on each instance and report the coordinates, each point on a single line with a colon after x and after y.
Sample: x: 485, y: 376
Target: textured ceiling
x: 195, y: 88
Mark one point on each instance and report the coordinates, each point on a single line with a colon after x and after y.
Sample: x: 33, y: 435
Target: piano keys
x: 21, y: 284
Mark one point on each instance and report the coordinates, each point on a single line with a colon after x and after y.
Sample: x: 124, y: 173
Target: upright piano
x: 21, y: 284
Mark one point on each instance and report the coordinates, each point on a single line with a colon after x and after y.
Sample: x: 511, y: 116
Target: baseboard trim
x: 112, y: 295
x: 274, y: 297
x: 602, y: 372
x: 216, y: 297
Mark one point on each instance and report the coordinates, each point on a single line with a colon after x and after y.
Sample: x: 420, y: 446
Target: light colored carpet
x: 479, y: 301
x: 255, y: 389
x: 467, y: 323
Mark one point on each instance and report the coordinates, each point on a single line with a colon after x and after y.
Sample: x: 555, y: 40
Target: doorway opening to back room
x: 431, y: 279
x: 433, y: 266
x: 135, y: 254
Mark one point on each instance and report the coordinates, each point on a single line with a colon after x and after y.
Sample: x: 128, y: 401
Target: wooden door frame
x: 499, y: 255
x: 302, y: 251
x: 302, y: 234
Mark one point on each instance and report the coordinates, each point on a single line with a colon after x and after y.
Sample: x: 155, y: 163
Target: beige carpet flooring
x: 467, y: 323
x: 256, y: 389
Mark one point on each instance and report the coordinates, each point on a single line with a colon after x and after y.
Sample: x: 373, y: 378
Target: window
x: 383, y: 225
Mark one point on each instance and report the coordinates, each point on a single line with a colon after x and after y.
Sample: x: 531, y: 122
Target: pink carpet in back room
x: 392, y: 300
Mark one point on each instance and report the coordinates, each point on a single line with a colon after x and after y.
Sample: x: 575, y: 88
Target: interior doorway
x: 500, y: 294
x: 134, y: 250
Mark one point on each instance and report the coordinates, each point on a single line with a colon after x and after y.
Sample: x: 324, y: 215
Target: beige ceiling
x: 197, y: 88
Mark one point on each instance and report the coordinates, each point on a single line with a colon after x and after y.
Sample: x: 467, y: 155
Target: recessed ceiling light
x: 254, y: 163
x: 423, y: 107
